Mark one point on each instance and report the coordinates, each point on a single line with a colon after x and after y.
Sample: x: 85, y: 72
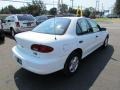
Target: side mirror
x: 9, y: 20
x: 103, y: 29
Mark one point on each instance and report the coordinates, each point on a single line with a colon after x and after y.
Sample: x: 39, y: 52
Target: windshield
x: 25, y: 17
x: 53, y: 26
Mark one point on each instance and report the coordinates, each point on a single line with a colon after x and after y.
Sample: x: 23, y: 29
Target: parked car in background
x: 2, y: 36
x: 18, y: 23
x: 59, y: 44
x: 112, y: 16
x: 42, y: 18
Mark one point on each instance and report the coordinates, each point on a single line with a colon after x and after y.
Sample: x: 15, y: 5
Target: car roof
x: 18, y: 14
x: 74, y: 18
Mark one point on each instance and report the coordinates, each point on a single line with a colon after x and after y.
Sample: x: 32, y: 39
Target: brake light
x: 41, y: 48
x: 17, y: 24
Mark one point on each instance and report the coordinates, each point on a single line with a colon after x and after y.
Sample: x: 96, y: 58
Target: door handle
x: 97, y: 36
x: 80, y: 41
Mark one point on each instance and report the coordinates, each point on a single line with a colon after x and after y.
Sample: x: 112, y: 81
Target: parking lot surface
x: 98, y: 71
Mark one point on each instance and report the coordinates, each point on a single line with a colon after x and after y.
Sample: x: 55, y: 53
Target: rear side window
x: 25, y: 17
x: 82, y: 27
x: 94, y: 25
x: 78, y: 29
x: 53, y: 26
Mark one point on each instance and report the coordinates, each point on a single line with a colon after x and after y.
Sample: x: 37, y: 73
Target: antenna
x: 54, y: 20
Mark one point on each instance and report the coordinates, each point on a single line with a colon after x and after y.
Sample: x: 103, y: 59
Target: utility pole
x: 60, y: 2
x: 97, y: 5
x: 102, y: 9
x: 72, y: 3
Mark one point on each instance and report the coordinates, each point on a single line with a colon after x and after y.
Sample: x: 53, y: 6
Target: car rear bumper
x: 18, y: 30
x: 38, y: 65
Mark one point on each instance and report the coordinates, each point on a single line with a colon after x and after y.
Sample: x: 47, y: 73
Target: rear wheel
x: 2, y: 36
x: 72, y: 64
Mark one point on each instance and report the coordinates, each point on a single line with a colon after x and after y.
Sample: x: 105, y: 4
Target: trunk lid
x: 27, y: 24
x: 26, y: 39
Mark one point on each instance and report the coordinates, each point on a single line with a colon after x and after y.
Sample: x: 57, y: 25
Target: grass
x: 113, y: 20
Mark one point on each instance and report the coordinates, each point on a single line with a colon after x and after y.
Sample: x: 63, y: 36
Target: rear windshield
x: 53, y: 26
x: 25, y: 17
x: 41, y: 18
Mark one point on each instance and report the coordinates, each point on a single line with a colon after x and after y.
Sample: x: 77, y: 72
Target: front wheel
x: 72, y: 64
x: 13, y: 33
x: 105, y: 42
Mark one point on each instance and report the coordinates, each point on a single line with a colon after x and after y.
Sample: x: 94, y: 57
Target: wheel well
x: 78, y: 51
x: 11, y: 28
x: 108, y: 36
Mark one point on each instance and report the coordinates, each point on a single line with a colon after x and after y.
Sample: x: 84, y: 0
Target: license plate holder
x: 28, y: 24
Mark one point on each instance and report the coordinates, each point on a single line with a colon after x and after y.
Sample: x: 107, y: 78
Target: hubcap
x: 74, y: 64
x: 106, y: 42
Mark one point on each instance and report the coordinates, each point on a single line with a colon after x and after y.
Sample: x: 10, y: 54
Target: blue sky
x: 108, y: 4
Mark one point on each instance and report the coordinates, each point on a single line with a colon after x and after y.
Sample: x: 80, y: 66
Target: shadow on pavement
x: 8, y: 35
x: 90, y: 69
x: 2, y: 42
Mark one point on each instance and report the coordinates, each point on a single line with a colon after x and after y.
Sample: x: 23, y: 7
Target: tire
x: 13, y: 33
x: 105, y: 42
x: 72, y: 64
x: 2, y: 37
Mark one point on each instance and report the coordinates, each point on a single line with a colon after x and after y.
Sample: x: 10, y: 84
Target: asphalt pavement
x: 98, y: 71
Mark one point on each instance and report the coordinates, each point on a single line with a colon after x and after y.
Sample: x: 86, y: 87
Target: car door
x: 98, y: 34
x: 85, y: 37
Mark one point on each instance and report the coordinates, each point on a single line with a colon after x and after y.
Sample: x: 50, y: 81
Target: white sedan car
x: 59, y: 44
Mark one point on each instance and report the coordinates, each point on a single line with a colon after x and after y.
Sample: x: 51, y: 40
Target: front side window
x: 94, y: 26
x: 55, y: 26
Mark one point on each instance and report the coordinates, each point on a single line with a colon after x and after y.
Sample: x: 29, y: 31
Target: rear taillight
x: 41, y: 48
x: 17, y: 24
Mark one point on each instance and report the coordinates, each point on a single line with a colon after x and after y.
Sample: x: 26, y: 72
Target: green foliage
x: 86, y: 12
x: 37, y: 7
x: 9, y: 10
x: 90, y: 12
x: 53, y: 11
x: 73, y: 11
x: 117, y: 7
x: 63, y: 8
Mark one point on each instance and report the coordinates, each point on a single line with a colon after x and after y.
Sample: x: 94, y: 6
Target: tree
x: 23, y: 10
x: 86, y: 12
x: 8, y: 10
x: 53, y: 11
x: 71, y: 10
x: 117, y: 7
x: 63, y: 8
x: 36, y: 8
x: 90, y: 12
